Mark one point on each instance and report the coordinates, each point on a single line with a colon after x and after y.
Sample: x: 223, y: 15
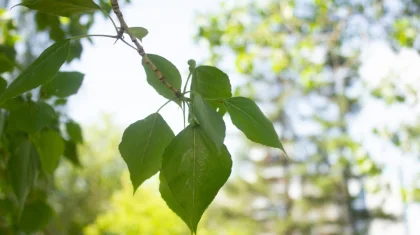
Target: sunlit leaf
x: 41, y: 71
x: 139, y: 32
x: 211, y: 122
x: 168, y: 70
x: 193, y: 171
x: 142, y: 146
x: 50, y: 147
x: 248, y: 118
x: 61, y: 7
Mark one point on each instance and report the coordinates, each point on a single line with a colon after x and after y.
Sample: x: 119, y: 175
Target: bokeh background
x: 340, y: 79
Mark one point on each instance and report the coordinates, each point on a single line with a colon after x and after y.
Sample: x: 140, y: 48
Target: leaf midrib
x: 29, y: 69
x: 148, y: 139
x: 227, y: 102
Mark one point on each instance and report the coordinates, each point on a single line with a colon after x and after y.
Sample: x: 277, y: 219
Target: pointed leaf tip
x: 139, y: 32
x: 142, y: 146
x: 193, y: 171
x: 40, y: 72
x: 249, y: 118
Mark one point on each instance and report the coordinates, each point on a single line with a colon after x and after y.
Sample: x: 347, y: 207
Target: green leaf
x: 168, y: 70
x: 41, y: 71
x: 2, y: 122
x: 6, y: 207
x: 50, y: 147
x: 75, y: 132
x: 13, y: 104
x: 211, y: 122
x: 211, y: 82
x: 59, y: 102
x: 7, y: 53
x: 139, y: 32
x: 64, y: 84
x: 23, y: 170
x: 31, y: 117
x: 142, y: 146
x: 248, y: 118
x: 6, y: 65
x: 221, y: 110
x: 61, y: 7
x: 3, y: 85
x: 192, y: 174
x: 70, y: 152
x: 35, y: 216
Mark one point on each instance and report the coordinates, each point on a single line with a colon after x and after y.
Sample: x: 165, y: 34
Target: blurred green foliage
x: 147, y: 213
x: 26, y: 188
x: 301, y: 59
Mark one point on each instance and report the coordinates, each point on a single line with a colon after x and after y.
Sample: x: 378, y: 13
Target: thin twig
x: 128, y: 44
x: 140, y: 49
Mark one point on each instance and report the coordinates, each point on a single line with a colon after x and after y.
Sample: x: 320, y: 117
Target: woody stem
x: 140, y: 49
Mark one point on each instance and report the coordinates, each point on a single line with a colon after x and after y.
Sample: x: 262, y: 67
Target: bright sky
x: 115, y: 81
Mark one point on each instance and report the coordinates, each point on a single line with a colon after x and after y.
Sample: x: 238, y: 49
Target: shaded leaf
x: 139, y: 32
x: 142, y: 146
x: 64, y: 84
x: 35, y: 216
x: 50, y: 147
x: 75, y: 132
x: 70, y: 152
x: 211, y: 122
x: 6, y: 65
x: 249, y: 118
x: 168, y: 70
x: 7, y: 56
x: 2, y: 122
x: 61, y: 7
x: 23, y: 170
x: 192, y: 173
x: 31, y: 117
x: 6, y: 206
x: 41, y: 71
x: 13, y: 104
x: 3, y: 85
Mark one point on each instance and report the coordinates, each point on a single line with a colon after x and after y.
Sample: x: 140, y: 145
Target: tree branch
x: 124, y: 28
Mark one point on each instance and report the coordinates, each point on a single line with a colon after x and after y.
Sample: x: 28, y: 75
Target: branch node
x: 124, y: 28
